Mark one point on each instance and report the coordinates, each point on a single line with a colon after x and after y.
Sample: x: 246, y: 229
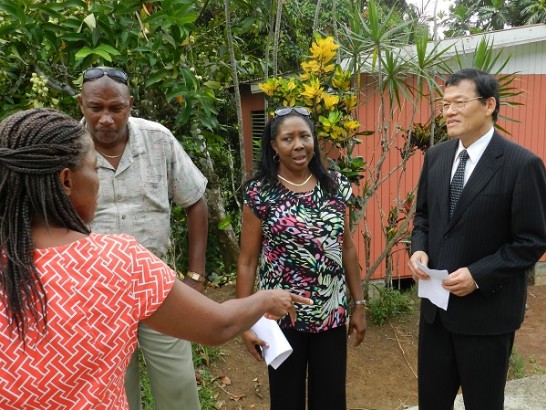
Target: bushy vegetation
x: 388, y: 303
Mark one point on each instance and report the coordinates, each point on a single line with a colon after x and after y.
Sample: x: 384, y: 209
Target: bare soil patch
x: 381, y: 373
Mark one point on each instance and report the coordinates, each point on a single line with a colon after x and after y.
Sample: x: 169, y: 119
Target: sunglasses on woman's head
x: 281, y: 112
x: 115, y: 74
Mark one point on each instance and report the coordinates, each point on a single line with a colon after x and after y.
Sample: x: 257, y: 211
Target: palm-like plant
x: 377, y: 42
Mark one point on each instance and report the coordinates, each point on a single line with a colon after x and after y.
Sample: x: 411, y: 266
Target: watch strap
x: 195, y: 276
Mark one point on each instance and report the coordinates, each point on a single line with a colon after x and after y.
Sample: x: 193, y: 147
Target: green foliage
x: 420, y: 137
x: 389, y: 303
x: 45, y: 46
x: 178, y: 253
x: 145, y: 388
x: 535, y: 365
x: 516, y: 365
x: 473, y: 17
x: 392, y: 49
x: 352, y: 167
x: 57, y: 40
x: 397, y: 214
x: 205, y: 356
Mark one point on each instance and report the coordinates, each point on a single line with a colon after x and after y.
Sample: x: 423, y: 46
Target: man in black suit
x: 487, y: 235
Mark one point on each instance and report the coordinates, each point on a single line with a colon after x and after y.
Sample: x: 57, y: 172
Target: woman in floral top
x: 295, y: 235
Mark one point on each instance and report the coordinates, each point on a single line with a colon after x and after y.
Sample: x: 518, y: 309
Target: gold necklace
x: 293, y: 183
x: 109, y: 156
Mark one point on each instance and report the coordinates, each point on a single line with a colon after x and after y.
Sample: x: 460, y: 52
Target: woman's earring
x: 276, y: 157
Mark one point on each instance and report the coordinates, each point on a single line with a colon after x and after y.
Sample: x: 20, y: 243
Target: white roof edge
x: 501, y: 38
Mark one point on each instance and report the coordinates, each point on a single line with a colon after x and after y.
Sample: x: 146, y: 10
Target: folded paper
x: 432, y: 288
x: 279, y: 348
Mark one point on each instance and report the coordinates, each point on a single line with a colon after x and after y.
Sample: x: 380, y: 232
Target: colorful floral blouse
x: 301, y: 249
x: 98, y: 289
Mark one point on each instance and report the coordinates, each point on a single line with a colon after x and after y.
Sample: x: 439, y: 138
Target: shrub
x: 389, y: 303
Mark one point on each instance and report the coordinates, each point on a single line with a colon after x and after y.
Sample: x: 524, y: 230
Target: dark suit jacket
x: 498, y: 231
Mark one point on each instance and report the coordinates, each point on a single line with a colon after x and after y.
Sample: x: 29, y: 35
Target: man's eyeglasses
x: 281, y: 112
x: 115, y: 74
x: 457, y: 105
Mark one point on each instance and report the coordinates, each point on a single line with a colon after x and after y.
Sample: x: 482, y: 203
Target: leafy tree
x: 46, y: 46
x: 471, y: 17
x: 533, y: 11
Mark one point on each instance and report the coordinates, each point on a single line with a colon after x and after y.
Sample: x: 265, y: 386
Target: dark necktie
x: 457, y: 183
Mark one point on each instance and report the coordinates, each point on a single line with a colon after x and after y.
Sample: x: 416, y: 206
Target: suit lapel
x: 487, y: 166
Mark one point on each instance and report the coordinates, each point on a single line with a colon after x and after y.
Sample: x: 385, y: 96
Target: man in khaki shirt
x: 142, y: 169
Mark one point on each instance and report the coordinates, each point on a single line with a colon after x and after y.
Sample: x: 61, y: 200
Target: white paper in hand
x: 279, y: 348
x: 432, y: 288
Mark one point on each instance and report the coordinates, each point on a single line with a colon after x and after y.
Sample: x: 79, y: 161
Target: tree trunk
x: 316, y: 17
x: 276, y: 38
x: 229, y: 244
x: 237, y: 92
x: 336, y: 34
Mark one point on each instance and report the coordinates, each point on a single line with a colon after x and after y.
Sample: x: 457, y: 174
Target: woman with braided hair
x: 71, y: 300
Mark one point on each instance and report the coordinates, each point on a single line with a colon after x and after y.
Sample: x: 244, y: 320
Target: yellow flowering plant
x: 325, y: 89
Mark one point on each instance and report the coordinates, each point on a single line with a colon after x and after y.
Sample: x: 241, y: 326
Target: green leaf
x: 107, y: 49
x: 73, y: 37
x: 177, y: 92
x: 155, y: 78
x: 86, y: 51
x: 12, y: 8
x: 103, y: 54
x: 83, y: 52
x: 215, y: 85
x: 224, y: 223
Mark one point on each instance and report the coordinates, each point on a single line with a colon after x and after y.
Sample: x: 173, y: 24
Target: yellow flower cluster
x: 323, y: 87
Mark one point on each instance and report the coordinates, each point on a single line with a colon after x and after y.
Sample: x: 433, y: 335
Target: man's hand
x: 416, y: 273
x: 460, y: 282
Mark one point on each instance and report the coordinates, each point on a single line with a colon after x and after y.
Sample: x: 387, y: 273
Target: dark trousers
x: 321, y: 358
x: 447, y: 361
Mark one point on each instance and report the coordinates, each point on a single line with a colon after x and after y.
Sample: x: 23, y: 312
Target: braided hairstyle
x: 35, y: 145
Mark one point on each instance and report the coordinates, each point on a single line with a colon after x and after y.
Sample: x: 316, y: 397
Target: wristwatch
x: 195, y: 276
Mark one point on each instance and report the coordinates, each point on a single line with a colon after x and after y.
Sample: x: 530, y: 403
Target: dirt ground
x: 381, y: 373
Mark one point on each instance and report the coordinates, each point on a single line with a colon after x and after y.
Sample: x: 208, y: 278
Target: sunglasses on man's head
x: 281, y: 112
x: 115, y: 74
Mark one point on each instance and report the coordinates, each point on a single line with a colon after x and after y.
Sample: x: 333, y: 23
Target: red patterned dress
x: 98, y: 289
